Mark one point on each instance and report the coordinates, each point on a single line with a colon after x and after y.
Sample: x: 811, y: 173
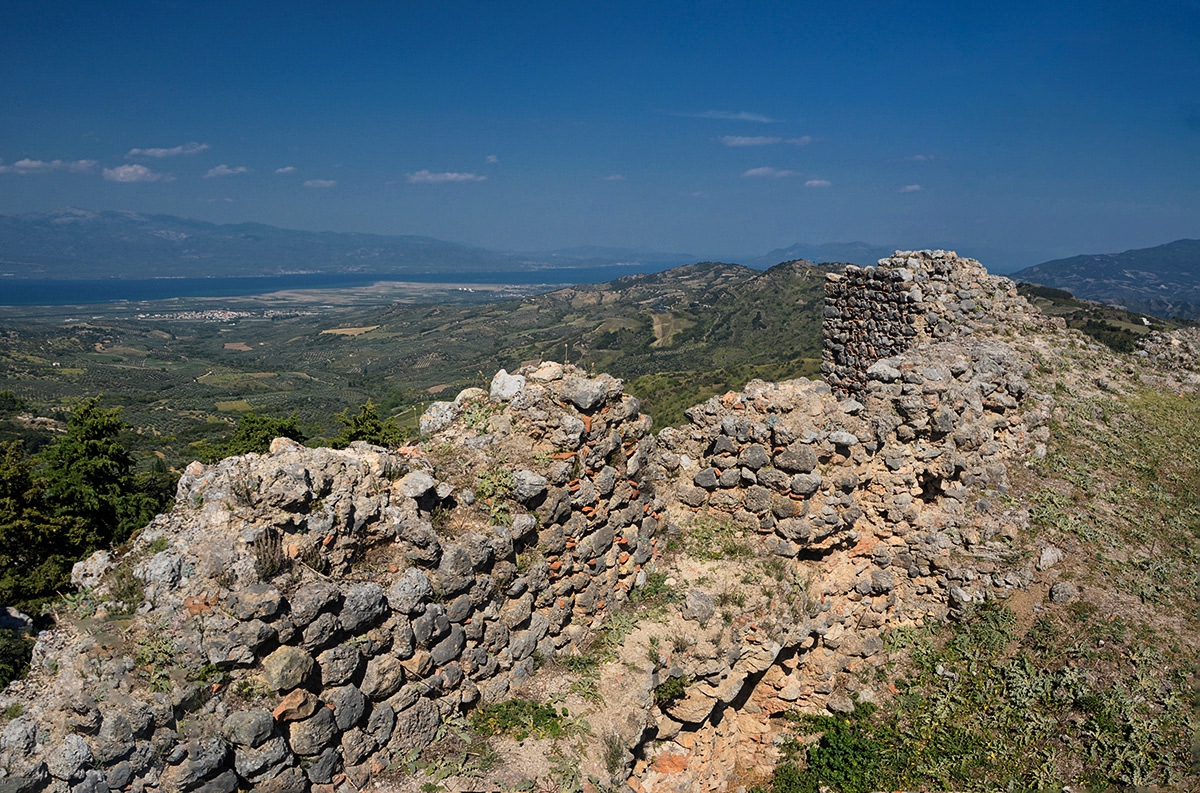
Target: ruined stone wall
x: 912, y: 297
x: 308, y: 617
x: 884, y: 494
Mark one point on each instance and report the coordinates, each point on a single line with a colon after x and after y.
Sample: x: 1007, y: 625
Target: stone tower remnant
x: 911, y: 298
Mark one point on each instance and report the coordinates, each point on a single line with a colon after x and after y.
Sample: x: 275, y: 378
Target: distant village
x: 224, y: 315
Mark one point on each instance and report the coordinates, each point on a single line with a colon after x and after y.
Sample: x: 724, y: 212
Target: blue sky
x: 1017, y: 131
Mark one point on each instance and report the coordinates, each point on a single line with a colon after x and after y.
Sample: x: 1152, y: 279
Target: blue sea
x: 54, y: 292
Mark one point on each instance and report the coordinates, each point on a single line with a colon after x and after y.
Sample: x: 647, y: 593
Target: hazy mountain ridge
x: 80, y: 244
x: 861, y: 253
x: 1163, y: 280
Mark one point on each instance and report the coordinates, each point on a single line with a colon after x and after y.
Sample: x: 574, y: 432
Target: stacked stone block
x: 382, y: 627
x: 911, y: 298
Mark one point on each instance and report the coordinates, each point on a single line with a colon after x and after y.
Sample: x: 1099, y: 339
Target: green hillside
x: 1163, y: 281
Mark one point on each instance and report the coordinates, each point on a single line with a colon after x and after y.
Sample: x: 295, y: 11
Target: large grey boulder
x: 287, y: 668
x: 527, y: 485
x: 363, y: 606
x: 71, y: 759
x: 410, y: 592
x: 248, y: 727
x: 584, y: 393
x: 505, y: 386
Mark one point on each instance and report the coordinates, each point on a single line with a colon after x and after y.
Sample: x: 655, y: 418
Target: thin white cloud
x: 910, y: 188
x: 492, y: 159
x: 616, y: 177
x: 428, y: 177
x: 321, y: 183
x: 749, y: 140
x: 727, y: 115
x: 768, y: 173
x: 174, y: 151
x: 817, y: 183
x: 225, y: 170
x: 920, y: 158
x: 135, y: 173
x: 763, y: 140
x: 286, y: 169
x: 28, y: 166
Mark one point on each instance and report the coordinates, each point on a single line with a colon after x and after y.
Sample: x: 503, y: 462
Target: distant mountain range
x: 1163, y: 281
x: 80, y: 244
x: 83, y: 245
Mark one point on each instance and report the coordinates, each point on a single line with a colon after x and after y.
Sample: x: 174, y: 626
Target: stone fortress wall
x: 912, y: 297
x: 341, y: 623
x: 305, y: 619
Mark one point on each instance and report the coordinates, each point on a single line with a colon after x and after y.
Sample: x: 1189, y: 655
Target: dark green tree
x: 254, y: 433
x: 90, y: 482
x: 32, y: 563
x: 368, y: 426
x: 10, y: 403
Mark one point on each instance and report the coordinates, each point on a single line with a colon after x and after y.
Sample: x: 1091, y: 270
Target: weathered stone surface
x: 415, y: 726
x: 505, y: 386
x: 384, y: 676
x: 253, y: 762
x: 843, y: 438
x: 805, y: 484
x: 349, y: 705
x: 797, y: 458
x: 71, y: 759
x: 456, y: 571
x: 311, y: 599
x: 82, y: 712
x: 694, y: 707
x: 448, y: 648
x: 362, y: 607
x: 310, y: 736
x: 256, y: 602
x: 225, y: 782
x: 432, y: 625
x: 698, y: 605
x: 248, y: 727
x: 1049, y: 557
x: 287, y: 668
x: 289, y: 780
x: 88, y: 573
x: 415, y: 484
x: 357, y: 745
x: 1063, y: 592
x: 527, y: 485
x: 298, y: 704
x: 410, y: 592
x: 754, y: 457
x: 584, y: 393
x: 205, y: 759
x: 705, y: 478
x: 339, y: 664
